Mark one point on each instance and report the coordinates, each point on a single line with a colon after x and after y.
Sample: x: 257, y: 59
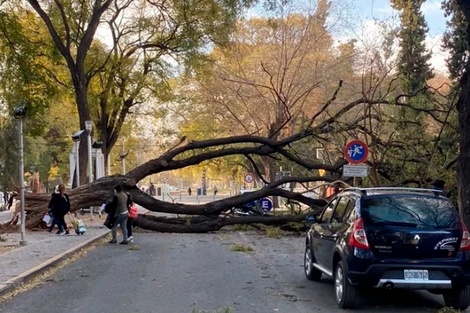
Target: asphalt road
x: 179, y: 273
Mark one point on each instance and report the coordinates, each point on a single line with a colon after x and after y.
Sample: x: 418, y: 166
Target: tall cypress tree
x: 413, y: 144
x: 455, y: 39
x: 413, y: 58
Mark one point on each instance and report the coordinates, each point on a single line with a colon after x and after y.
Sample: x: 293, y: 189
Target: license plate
x: 416, y: 274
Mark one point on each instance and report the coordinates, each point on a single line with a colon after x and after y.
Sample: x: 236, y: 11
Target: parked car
x: 407, y: 238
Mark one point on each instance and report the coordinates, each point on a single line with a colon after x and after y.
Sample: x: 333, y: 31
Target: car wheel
x: 345, y: 292
x: 311, y: 272
x: 457, y: 298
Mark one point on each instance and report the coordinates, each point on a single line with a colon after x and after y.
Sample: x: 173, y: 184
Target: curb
x: 15, y: 282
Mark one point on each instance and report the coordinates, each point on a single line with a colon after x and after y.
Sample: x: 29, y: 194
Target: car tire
x: 457, y: 298
x: 311, y: 272
x: 345, y: 292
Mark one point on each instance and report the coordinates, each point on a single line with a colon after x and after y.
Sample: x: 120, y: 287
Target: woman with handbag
x: 60, y: 206
x: 133, y: 214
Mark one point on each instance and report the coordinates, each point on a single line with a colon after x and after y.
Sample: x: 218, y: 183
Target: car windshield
x: 410, y: 211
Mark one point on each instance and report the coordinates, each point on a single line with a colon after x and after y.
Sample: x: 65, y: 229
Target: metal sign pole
x: 21, y: 168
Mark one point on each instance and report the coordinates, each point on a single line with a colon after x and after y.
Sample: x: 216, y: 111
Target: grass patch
x: 273, y: 232
x: 243, y: 227
x: 297, y: 226
x: 134, y: 248
x: 240, y: 248
x: 239, y: 227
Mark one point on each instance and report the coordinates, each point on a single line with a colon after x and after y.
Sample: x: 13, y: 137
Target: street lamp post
x: 76, y: 138
x: 88, y: 128
x: 123, y: 156
x: 20, y: 112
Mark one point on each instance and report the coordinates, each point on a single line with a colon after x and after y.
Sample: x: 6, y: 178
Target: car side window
x: 341, y: 208
x: 326, y: 216
x: 350, y: 216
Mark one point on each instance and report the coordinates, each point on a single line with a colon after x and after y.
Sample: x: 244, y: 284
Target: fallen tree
x: 214, y: 214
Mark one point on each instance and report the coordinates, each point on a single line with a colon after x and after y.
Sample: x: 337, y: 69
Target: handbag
x: 133, y: 212
x: 109, y: 221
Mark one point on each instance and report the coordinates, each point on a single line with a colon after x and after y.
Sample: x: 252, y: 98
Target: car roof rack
x: 366, y: 191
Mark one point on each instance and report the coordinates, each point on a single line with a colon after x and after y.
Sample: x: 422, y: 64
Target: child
x: 79, y: 226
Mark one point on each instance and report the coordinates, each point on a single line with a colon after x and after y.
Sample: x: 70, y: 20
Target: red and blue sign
x: 356, y: 152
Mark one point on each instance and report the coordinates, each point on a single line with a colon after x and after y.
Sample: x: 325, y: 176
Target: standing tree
x: 455, y: 39
x: 463, y: 107
x: 142, y: 33
x: 414, y: 71
x: 271, y: 79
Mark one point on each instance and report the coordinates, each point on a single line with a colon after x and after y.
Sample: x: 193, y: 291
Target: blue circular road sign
x: 356, y: 152
x: 266, y: 204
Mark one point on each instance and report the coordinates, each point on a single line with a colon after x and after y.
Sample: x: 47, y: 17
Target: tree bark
x: 463, y: 107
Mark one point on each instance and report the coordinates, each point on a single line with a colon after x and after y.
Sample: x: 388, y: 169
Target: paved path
x: 42, y: 250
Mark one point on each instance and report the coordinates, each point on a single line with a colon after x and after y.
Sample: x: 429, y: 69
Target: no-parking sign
x: 356, y: 152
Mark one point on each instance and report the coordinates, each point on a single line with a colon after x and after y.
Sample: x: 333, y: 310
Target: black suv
x: 390, y: 238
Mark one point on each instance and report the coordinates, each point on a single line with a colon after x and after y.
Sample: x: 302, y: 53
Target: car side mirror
x: 311, y: 219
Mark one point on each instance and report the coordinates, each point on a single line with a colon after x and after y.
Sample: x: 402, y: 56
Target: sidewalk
x: 18, y: 264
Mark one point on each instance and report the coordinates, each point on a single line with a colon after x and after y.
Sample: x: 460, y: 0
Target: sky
x: 362, y: 16
x: 381, y: 9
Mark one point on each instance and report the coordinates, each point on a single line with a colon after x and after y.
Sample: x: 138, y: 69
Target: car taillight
x: 358, y: 238
x: 465, y: 243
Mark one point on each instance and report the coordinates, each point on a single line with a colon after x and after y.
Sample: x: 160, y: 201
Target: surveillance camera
x: 20, y: 111
x: 97, y: 144
x: 77, y: 135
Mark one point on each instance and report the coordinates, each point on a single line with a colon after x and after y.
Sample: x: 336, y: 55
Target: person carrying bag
x: 132, y: 215
x: 110, y: 210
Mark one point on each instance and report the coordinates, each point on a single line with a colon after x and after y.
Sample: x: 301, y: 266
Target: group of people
x: 121, y: 212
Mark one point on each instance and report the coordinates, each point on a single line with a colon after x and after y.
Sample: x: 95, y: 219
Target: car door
x: 319, y: 230
x: 335, y: 228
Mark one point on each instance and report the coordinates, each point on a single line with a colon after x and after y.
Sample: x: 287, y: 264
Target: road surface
x: 179, y: 273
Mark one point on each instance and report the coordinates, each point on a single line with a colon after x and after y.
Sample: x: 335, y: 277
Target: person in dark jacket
x: 119, y: 203
x: 54, y: 220
x: 60, y: 206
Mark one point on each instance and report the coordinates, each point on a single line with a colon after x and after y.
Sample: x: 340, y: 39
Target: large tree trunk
x: 463, y: 107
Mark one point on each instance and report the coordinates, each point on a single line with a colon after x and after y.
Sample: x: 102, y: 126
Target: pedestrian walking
x: 54, y: 219
x: 119, y: 203
x: 6, y: 196
x: 152, y: 190
x: 59, y: 206
x: 133, y: 214
x: 189, y: 191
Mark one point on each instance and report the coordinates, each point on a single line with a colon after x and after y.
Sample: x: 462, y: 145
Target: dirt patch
x: 4, y: 249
